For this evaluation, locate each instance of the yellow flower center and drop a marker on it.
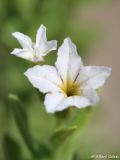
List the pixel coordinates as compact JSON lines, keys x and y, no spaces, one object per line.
{"x":70,"y":89}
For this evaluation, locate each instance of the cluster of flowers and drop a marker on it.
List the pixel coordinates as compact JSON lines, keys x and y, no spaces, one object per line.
{"x":66,"y":84}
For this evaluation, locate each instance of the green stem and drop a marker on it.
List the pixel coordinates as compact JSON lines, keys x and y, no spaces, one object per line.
{"x":66,"y":150}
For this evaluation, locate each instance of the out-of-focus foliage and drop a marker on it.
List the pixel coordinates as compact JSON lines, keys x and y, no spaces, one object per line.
{"x":26,"y":16}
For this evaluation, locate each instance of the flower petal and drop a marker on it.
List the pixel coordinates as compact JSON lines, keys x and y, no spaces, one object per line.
{"x":26,"y":54}
{"x":24,"y":40}
{"x":41,"y":36}
{"x":73,"y":101}
{"x":46,"y":47}
{"x":52,"y":100}
{"x":92,"y":95}
{"x":22,"y":53}
{"x":58,"y":102}
{"x":93,"y":76}
{"x":45,"y":78}
{"x":68,"y":62}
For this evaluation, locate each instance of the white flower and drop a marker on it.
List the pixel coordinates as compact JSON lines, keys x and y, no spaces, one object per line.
{"x":69,"y":83}
{"x":34,"y":51}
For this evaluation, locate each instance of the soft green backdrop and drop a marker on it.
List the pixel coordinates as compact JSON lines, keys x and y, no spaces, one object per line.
{"x":26,"y":16}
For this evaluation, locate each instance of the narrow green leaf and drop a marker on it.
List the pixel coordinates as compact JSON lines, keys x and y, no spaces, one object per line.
{"x":11,"y":148}
{"x":43,"y":151}
{"x":37,"y":149}
{"x":20,"y":117}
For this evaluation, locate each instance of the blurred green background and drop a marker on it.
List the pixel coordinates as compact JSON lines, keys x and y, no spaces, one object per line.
{"x":92,"y":25}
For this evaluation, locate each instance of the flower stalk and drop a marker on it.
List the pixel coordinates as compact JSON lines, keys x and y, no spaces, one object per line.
{"x":66,"y":149}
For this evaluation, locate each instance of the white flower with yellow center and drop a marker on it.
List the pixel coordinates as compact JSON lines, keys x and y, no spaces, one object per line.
{"x":34,"y":51}
{"x":69,"y":83}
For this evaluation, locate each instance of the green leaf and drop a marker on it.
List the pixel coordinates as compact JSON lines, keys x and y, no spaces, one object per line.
{"x":21,"y":119}
{"x":66,"y":149}
{"x":43,"y":151}
{"x":11,"y":149}
{"x":37,"y":149}
{"x":62,"y":134}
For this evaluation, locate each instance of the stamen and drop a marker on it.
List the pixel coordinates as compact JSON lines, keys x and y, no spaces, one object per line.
{"x":76,"y":77}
